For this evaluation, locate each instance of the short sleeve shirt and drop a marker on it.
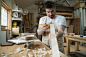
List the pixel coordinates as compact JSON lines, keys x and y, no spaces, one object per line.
{"x":59,"y":20}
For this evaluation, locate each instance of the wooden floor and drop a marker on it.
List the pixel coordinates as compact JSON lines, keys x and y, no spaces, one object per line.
{"x":72,"y":48}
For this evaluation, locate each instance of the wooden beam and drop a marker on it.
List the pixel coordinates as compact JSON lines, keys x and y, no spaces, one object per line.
{"x":68,"y":46}
{"x":79,"y":4}
{"x":76,"y":46}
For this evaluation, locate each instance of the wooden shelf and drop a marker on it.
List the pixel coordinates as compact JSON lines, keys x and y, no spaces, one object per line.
{"x":59,"y":13}
{"x":68,"y":18}
{"x":43,"y":9}
{"x":55,"y":5}
{"x":79,"y":4}
{"x":3,"y":29}
{"x":17,"y":19}
{"x":19,"y":11}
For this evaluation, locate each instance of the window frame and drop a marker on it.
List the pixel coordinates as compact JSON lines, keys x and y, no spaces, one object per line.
{"x":8,"y":12}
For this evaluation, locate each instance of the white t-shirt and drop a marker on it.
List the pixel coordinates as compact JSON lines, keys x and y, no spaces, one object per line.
{"x":59,"y":20}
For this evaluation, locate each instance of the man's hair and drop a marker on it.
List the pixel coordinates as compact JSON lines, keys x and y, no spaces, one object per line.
{"x":49,"y":4}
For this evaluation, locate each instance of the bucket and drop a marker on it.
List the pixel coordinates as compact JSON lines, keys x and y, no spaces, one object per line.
{"x":14,"y":24}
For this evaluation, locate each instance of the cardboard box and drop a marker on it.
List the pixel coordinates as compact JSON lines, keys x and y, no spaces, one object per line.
{"x":15,"y":31}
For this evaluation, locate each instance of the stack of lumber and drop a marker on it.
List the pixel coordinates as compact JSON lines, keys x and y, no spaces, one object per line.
{"x":28,"y":21}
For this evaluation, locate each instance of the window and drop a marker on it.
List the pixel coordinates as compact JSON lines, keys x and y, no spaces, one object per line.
{"x":5,"y":17}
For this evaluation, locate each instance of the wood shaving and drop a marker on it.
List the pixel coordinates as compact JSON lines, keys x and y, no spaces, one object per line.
{"x":21,"y":52}
{"x":23,"y":56}
{"x":2,"y":54}
{"x":28,"y":49}
{"x":5,"y":56}
{"x":11,"y":53}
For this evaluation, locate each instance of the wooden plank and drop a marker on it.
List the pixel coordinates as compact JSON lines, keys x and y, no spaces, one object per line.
{"x":79,"y":4}
{"x":55,"y":5}
{"x":59,"y":13}
{"x":27,"y":17}
{"x":5,"y":6}
{"x":71,"y":28}
{"x":68,"y":46}
{"x":76,"y":23}
{"x":68,"y":18}
{"x":8,"y":34}
{"x":54,"y":43}
{"x":76,"y":46}
{"x":43,"y":9}
{"x":76,"y":37}
{"x":77,"y":17}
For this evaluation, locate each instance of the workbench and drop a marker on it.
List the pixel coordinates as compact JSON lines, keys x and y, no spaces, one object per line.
{"x":75,"y":38}
{"x":10,"y":51}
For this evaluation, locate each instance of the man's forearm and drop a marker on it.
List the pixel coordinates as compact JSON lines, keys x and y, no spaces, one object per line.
{"x":59,"y":34}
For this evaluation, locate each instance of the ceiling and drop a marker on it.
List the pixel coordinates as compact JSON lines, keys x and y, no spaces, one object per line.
{"x":26,"y":3}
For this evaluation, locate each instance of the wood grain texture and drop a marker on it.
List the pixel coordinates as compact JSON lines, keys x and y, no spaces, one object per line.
{"x":54,"y":43}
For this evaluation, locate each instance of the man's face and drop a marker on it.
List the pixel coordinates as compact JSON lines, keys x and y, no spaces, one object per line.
{"x":51,"y":12}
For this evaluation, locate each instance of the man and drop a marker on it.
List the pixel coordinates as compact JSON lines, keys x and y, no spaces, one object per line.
{"x":58,"y":21}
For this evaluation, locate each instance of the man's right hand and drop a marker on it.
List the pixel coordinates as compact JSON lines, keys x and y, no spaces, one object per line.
{"x":42,"y":28}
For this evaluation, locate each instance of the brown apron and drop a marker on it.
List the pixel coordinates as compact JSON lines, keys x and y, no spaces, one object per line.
{"x":46,"y":40}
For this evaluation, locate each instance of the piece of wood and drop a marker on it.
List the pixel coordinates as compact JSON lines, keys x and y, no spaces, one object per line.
{"x":68,"y":46}
{"x":8,"y":34}
{"x":54,"y":43}
{"x":79,"y":4}
{"x":68,"y":29}
{"x":76,"y":46}
{"x":55,"y":5}
{"x":7,"y":44}
{"x":59,"y":13}
{"x":71,"y":28}
{"x":43,"y":9}
{"x":76,"y":23}
{"x":68,"y":18}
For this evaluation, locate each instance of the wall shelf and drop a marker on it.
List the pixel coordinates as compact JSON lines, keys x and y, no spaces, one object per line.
{"x":17,"y":19}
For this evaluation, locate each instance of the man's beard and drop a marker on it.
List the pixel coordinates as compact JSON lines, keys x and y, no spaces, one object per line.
{"x":51,"y":16}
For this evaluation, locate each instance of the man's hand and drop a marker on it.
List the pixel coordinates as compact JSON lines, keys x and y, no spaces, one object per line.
{"x":45,"y":27}
{"x":60,"y":31}
{"x":42,"y":28}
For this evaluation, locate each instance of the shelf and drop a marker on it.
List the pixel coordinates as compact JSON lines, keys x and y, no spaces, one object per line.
{"x":59,"y":13}
{"x":19,"y":11}
{"x":17,"y":19}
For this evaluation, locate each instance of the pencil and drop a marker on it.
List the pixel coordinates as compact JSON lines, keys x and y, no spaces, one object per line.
{"x":42,"y":24}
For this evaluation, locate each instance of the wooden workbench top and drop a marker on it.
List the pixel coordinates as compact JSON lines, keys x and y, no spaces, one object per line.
{"x":75,"y":36}
{"x":20,"y":51}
